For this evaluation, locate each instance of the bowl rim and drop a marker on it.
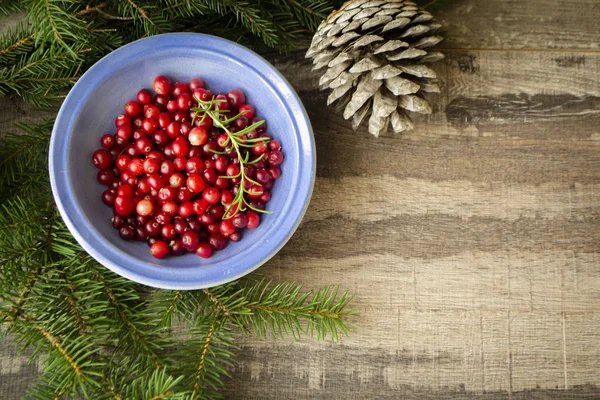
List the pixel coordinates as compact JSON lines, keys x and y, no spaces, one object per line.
{"x":64,"y":118}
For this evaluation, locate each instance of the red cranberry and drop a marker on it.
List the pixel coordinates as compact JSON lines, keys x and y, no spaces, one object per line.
{"x":162,"y":217}
{"x":105,"y":176}
{"x":211,"y":195}
{"x":275,"y":157}
{"x":124,"y":132}
{"x":179,"y":163}
{"x":210,"y":175}
{"x":153,"y":228}
{"x":203,"y":94}
{"x":124,"y":206}
{"x":265,"y":197}
{"x":275,"y":172}
{"x":259,"y":149}
{"x":167,"y":168}
{"x":194,"y":165}
{"x":133,"y":108}
{"x":222,"y":183}
{"x":196,"y":83}
{"x":144,"y":208}
{"x":240,"y":221}
{"x":227,"y":227}
{"x":155,"y":181}
{"x":194,"y":224}
{"x":141,"y":234}
{"x":172,"y":106}
{"x":253,"y":219}
{"x":236,"y":98}
{"x":164,"y":119}
{"x":204,"y":250}
{"x":143,"y":186}
{"x":200,"y":206}
{"x":144,"y":96}
{"x":161,"y":84}
{"x":177,"y":180}
{"x":218,"y":242}
{"x":186,"y":128}
{"x":184,"y":194}
{"x":197,"y":136}
{"x":226,"y":197}
{"x":184,"y":101}
{"x":181,"y":226}
{"x":213,"y":229}
{"x":136,"y":167}
{"x":179,"y":88}
{"x":108,"y":197}
{"x":122,"y":119}
{"x":190,"y":241}
{"x":176,"y":247}
{"x":180,"y":147}
{"x":206,"y":219}
{"x":127,"y":232}
{"x":247,"y":110}
{"x":195,"y":184}
{"x":151,"y":112}
{"x":102,"y":158}
{"x":117,"y":221}
{"x":125,"y":191}
{"x":161,"y":101}
{"x":107,"y":141}
{"x":168,"y":232}
{"x":137,"y":123}
{"x":159,"y":249}
{"x":217,"y":210}
{"x":170,"y":207}
{"x":204,"y":123}
{"x":151,"y":165}
{"x":167,"y":194}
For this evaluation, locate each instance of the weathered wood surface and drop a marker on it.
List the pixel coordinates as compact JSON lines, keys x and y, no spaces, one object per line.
{"x":472,"y":244}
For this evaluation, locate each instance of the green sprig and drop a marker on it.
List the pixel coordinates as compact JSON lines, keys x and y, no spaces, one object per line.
{"x":238,"y":140}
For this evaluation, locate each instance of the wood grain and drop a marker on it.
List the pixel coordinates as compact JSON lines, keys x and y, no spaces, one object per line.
{"x":472,"y":244}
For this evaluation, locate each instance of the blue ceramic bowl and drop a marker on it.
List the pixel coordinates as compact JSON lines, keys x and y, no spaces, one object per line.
{"x":89,"y":111}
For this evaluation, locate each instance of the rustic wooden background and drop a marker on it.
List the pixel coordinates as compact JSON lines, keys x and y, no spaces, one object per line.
{"x":472,"y":244}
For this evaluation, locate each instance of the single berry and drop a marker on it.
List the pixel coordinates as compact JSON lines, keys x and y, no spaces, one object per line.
{"x":159,"y":249}
{"x":102,"y":158}
{"x":161,"y":85}
{"x":204,"y":250}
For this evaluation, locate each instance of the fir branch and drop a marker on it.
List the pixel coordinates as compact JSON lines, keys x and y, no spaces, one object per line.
{"x":133,"y":330}
{"x":8,"y":7}
{"x":20,"y":301}
{"x":212,"y":339}
{"x":15,"y":41}
{"x":219,"y":306}
{"x":158,"y":385}
{"x":55,"y":22}
{"x":54,"y":341}
{"x":284,"y":309}
{"x":200,"y":369}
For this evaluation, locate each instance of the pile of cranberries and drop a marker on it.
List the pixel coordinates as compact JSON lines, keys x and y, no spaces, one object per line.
{"x":172,"y":176}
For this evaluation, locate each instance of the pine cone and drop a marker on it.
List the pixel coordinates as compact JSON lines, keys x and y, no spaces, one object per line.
{"x":375,"y":53}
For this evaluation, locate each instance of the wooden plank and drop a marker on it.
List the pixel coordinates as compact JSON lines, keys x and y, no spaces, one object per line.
{"x":544,"y":24}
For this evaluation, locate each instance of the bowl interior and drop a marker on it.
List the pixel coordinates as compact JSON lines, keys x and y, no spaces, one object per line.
{"x":90,"y":110}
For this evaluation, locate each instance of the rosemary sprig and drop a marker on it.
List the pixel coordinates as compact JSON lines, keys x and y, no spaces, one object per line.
{"x":238,"y":141}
